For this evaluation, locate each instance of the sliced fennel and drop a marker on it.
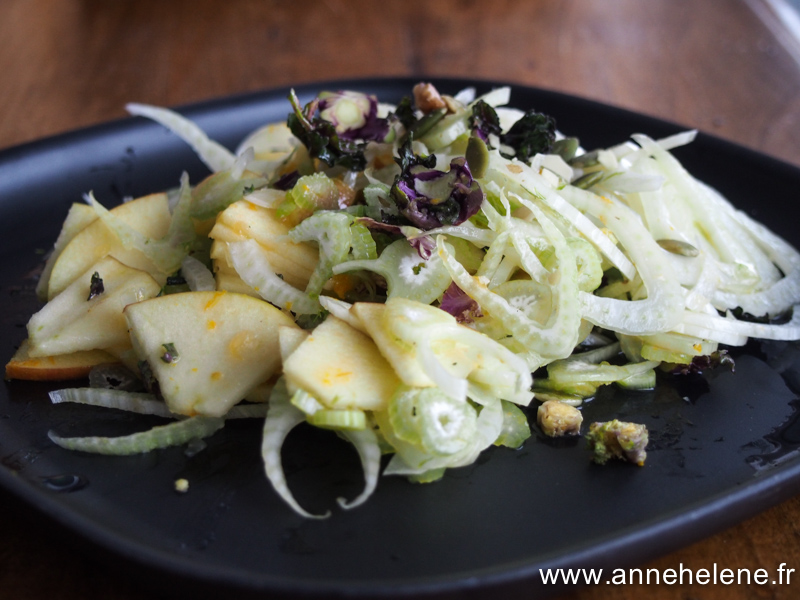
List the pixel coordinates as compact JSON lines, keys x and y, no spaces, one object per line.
{"x":214,"y":155}
{"x":160,"y":436}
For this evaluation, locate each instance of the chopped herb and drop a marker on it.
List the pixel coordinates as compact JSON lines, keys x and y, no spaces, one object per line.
{"x":175,"y":284}
{"x":405,"y":113}
{"x":96,"y":286}
{"x":311,"y":321}
{"x":170,"y":355}
{"x":484,"y":121}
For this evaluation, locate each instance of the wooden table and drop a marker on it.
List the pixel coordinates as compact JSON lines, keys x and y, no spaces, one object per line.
{"x":711,"y":65}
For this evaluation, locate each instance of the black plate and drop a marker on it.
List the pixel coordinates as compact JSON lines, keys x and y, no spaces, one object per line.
{"x":723,"y":445}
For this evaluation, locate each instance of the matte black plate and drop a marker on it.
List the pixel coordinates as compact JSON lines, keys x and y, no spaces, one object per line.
{"x":724,"y":445}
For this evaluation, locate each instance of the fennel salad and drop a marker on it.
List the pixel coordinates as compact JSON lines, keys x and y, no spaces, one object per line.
{"x":397,"y":274}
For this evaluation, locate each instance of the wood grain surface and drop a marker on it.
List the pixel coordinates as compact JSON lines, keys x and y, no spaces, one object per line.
{"x":710,"y":65}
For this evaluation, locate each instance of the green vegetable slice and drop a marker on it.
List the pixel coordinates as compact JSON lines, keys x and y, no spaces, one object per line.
{"x":253,"y":267}
{"x":161,"y":436}
{"x":369,"y":451}
{"x":407,"y":274}
{"x":282,"y":417}
{"x":215,"y":156}
{"x":331,"y":231}
{"x":145,"y":404}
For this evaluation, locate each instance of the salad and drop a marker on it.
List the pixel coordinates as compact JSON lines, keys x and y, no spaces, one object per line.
{"x":416,"y":277}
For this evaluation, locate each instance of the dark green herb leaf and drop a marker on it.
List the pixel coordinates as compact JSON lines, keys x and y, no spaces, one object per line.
{"x":320,"y":138}
{"x":170,"y":353}
{"x":96,"y":286}
{"x":533,"y":134}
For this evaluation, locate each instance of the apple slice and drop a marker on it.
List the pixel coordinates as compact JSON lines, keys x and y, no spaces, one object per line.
{"x":149,"y":215}
{"x":342,"y":368}
{"x":78,"y":218}
{"x":294,"y":274}
{"x":75,"y":365}
{"x":243,"y":220}
{"x":207,"y":350}
{"x":402,"y":356}
{"x":78,"y":320}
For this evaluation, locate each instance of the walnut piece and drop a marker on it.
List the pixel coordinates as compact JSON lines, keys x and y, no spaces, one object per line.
{"x":427,"y":98}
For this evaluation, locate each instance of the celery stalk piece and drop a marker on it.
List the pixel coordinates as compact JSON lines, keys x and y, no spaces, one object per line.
{"x":338,"y":419}
{"x":411,"y":460}
{"x":515,"y":428}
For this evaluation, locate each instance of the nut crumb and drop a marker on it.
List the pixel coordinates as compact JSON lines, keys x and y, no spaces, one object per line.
{"x":557,"y":419}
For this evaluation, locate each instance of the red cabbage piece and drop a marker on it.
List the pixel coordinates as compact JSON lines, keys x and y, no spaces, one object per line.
{"x":429,"y":198}
{"x":456,"y":302}
{"x":321,"y":138}
{"x":354,"y":115}
{"x":423,"y":244}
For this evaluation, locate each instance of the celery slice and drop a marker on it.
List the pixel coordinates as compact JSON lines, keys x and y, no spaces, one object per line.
{"x":331,"y":231}
{"x":338,"y":419}
{"x":515,"y":427}
{"x":305,"y":402}
{"x":432,"y":421}
{"x":407,"y":274}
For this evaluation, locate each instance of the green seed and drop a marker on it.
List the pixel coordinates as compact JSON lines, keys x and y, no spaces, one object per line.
{"x":588,"y":180}
{"x":477,"y":156}
{"x":566,"y":148}
{"x":589,"y":159}
{"x":678,"y":247}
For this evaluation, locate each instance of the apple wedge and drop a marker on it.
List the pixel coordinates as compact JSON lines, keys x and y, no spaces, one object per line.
{"x":242,"y":220}
{"x":149,"y":215}
{"x":207,"y":350}
{"x":402,"y":356}
{"x":75,"y":365}
{"x":78,"y":218}
{"x":80,"y":318}
{"x":342,"y":368}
